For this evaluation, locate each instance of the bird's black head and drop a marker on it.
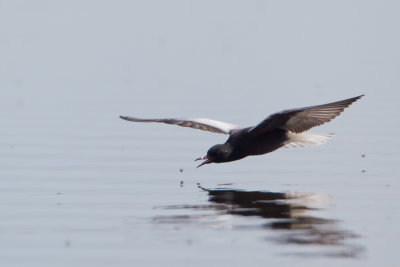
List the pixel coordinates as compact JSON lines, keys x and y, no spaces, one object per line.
{"x":218,"y":153}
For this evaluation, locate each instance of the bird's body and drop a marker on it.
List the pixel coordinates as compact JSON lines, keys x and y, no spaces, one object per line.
{"x":283,"y":129}
{"x":245,"y":144}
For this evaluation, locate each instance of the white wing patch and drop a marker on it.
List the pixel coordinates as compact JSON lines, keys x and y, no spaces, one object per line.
{"x":199,"y":123}
{"x":224,"y":126}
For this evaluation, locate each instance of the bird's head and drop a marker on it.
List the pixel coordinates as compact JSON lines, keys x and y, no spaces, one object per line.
{"x":218,"y":153}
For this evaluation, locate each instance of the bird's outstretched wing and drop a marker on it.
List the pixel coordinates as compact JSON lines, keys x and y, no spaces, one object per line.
{"x":302,"y":119}
{"x":202,"y":124}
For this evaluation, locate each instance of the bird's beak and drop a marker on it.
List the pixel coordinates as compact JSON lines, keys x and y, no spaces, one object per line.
{"x":207,"y":160}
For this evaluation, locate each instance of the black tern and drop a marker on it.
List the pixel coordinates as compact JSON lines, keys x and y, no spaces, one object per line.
{"x":282,"y":129}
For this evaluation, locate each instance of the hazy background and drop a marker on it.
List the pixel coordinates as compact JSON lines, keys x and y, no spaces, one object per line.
{"x":77,"y":184}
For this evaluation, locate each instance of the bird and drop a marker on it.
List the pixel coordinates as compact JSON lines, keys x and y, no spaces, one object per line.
{"x":287,"y":128}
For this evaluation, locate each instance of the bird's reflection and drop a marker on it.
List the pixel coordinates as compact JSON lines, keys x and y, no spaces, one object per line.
{"x":292,"y":216}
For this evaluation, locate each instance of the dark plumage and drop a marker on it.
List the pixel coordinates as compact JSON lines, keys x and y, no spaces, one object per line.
{"x":282,"y":129}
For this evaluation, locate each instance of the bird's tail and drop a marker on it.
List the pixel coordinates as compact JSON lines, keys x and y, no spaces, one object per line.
{"x":307,"y":139}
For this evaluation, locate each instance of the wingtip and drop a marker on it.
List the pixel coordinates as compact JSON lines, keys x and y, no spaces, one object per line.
{"x":354,"y":99}
{"x":358,"y":97}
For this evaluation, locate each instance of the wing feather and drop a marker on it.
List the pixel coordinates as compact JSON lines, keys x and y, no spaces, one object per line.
{"x":302,"y":119}
{"x":199,"y":123}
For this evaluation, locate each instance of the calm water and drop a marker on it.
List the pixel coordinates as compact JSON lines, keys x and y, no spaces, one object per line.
{"x":96,"y":192}
{"x":80,"y":187}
